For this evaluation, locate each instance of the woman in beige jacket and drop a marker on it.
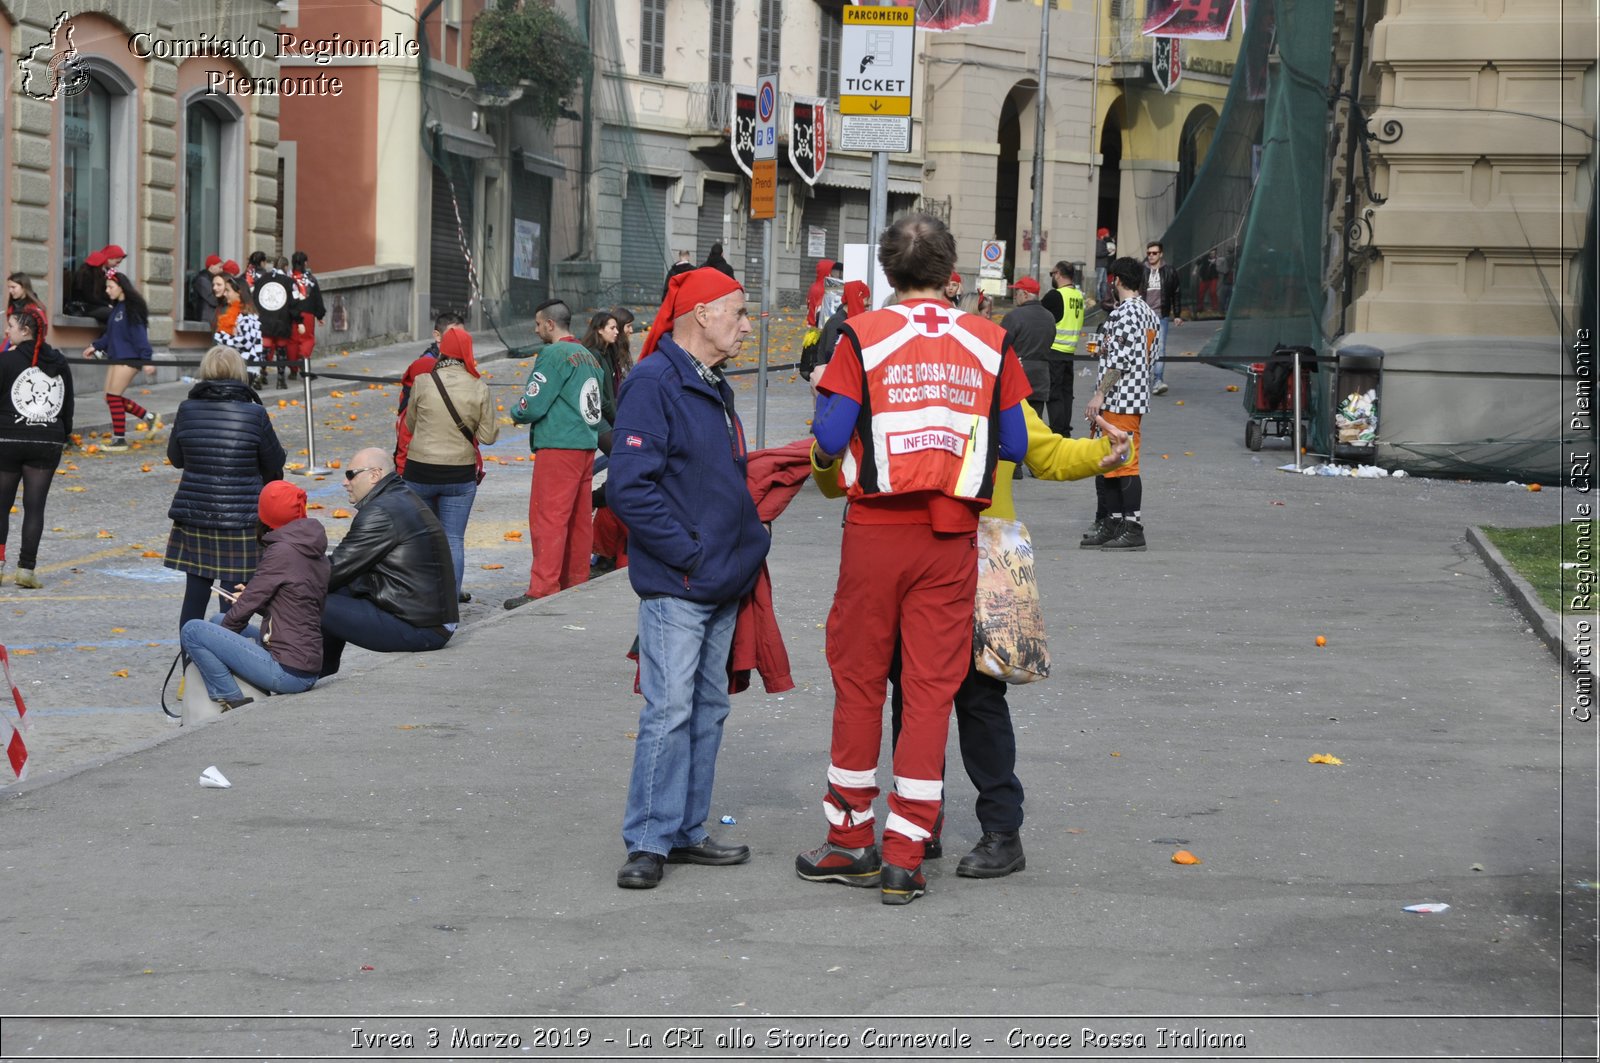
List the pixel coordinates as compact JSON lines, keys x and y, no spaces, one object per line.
{"x":443,"y":465}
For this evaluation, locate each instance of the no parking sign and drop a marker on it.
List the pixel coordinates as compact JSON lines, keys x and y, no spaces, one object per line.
{"x":993,"y":266}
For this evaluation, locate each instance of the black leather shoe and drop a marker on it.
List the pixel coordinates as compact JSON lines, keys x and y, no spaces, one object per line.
{"x":997,"y":854}
{"x":641,"y":872}
{"x":709,"y":852}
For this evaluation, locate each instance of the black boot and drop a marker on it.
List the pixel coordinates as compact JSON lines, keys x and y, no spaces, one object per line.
{"x":997,"y":854}
{"x":1130,"y":536}
{"x":1102,"y":532}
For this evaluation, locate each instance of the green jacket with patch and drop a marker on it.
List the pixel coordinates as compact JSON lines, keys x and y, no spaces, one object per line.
{"x":562,"y":398}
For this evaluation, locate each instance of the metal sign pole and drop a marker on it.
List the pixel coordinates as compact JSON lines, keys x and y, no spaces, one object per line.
{"x":769,"y":287}
{"x":877,"y":214}
{"x":1039,"y":139}
{"x":1297,"y":409}
{"x":312,"y":468}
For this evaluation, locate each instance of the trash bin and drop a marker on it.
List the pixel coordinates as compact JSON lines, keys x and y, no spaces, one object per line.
{"x":1358,"y":383}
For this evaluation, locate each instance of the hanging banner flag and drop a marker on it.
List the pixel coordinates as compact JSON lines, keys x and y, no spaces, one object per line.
{"x":1198,"y":20}
{"x":1166,"y":63}
{"x":941,"y":15}
{"x":808,"y":137}
{"x":12,"y":725}
{"x":742,"y":127}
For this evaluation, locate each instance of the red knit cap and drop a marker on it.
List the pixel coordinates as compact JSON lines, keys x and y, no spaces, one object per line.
{"x":855,"y":298}
{"x":457,"y":343}
{"x":95,"y":259}
{"x":231,"y":268}
{"x":685,"y":292}
{"x":955,"y":278}
{"x":213,"y":260}
{"x":281,"y":502}
{"x":111,"y":251}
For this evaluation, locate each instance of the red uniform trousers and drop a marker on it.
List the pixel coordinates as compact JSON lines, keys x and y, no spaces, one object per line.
{"x":896,"y":581}
{"x":559,"y":520}
{"x":275,"y":351}
{"x":301,"y":343}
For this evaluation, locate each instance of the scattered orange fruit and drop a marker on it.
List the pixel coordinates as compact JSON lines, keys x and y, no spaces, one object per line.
{"x":354,"y":417}
{"x":119,"y":631}
{"x":151,"y":553}
{"x":1233,"y":387}
{"x":1179,"y":403}
{"x":141,"y":427}
{"x":1323,"y":758}
{"x":1321,"y":640}
{"x":334,"y":464}
{"x":23,"y":653}
{"x":1184,"y":856}
{"x":513,"y":537}
{"x":121,"y":673}
{"x":146,"y":468}
{"x":342,"y":514}
{"x":336,"y":394}
{"x":314,"y":505}
{"x":103,"y":534}
{"x":283,"y":404}
{"x":1535,"y":487}
{"x":92,"y":448}
{"x":491,"y":567}
{"x":302,"y":451}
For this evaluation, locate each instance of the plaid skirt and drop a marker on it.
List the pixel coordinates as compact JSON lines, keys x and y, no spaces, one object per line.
{"x":226,"y":554}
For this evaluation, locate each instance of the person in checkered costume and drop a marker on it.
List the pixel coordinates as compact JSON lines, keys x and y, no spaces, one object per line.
{"x":1122,"y":396}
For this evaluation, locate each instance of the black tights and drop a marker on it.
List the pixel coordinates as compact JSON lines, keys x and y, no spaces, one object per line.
{"x":1117,"y":496}
{"x":35,"y":481}
{"x":196,"y":596}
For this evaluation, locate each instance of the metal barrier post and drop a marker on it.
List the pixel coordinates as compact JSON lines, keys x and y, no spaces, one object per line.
{"x":1298,"y":399}
{"x":312,"y":468}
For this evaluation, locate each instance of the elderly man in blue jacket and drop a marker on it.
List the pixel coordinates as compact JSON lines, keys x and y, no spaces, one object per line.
{"x":695,"y":546}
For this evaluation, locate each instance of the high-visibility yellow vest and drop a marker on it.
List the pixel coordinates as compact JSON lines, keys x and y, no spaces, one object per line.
{"x":1070,"y":324}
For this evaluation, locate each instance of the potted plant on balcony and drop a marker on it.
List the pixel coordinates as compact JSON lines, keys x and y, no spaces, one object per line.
{"x":527,"y":44}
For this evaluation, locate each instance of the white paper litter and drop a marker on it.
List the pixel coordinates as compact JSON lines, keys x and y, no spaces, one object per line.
{"x":213,"y":779}
{"x":1427,"y":909}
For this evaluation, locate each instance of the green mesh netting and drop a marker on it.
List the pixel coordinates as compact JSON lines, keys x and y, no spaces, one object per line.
{"x":1258,"y":200}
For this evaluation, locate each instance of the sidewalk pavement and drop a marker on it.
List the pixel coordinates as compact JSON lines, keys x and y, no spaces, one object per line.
{"x":438,"y":835}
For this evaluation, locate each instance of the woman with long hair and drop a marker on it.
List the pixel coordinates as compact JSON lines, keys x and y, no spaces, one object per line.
{"x":622,"y":350}
{"x":601,"y":339}
{"x":238,"y":325}
{"x":284,"y":654}
{"x":35,"y":424}
{"x":126,"y":343}
{"x":19,"y":296}
{"x":449,"y":414}
{"x":223,"y":441}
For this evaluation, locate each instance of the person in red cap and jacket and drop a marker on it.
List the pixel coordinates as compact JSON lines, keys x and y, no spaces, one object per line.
{"x":284,"y":654}
{"x":86,"y":293}
{"x":202,"y":302}
{"x":695,"y":547}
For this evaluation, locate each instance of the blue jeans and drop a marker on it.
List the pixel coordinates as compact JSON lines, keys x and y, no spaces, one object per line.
{"x":452,"y":504}
{"x":683,"y":674}
{"x":346,"y":618}
{"x":221,"y":654}
{"x":1161,"y":350}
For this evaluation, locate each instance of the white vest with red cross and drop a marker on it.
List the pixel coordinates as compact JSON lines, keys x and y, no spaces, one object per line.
{"x":930,"y":412}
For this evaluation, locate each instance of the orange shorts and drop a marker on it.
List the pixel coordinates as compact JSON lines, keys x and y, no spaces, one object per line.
{"x":1126,"y":422}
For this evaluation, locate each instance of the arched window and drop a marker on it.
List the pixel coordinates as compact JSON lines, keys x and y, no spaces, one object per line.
{"x":1193,"y":143}
{"x":212,"y":179}
{"x":97,"y":168}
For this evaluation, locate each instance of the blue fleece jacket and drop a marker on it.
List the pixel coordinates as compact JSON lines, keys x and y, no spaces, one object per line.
{"x":124,"y":338}
{"x":677,"y":481}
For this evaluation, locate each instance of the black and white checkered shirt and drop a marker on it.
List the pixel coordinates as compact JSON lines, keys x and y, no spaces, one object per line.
{"x":1126,"y":344}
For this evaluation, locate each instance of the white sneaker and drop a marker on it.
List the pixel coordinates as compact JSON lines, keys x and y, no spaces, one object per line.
{"x":1160,"y":388}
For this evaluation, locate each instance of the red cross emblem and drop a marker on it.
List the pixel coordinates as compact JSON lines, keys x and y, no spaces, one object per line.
{"x":931,"y":320}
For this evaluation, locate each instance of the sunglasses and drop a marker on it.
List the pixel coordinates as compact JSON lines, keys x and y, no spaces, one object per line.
{"x":351,"y":474}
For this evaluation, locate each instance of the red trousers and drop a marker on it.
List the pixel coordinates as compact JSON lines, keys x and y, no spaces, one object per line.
{"x":610,"y":536}
{"x":301,"y":343}
{"x":896,"y":581}
{"x":559,"y":521}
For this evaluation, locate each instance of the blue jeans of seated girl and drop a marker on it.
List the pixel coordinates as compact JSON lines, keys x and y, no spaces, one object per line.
{"x":221,"y":654}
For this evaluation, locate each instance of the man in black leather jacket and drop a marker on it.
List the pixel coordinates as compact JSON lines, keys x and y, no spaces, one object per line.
{"x":392,"y":587}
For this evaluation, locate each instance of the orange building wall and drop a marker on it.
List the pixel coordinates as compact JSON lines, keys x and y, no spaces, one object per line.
{"x":336,"y":178}
{"x":351,"y":19}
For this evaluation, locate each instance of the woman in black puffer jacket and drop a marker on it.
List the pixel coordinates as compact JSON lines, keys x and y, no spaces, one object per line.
{"x":223,"y":441}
